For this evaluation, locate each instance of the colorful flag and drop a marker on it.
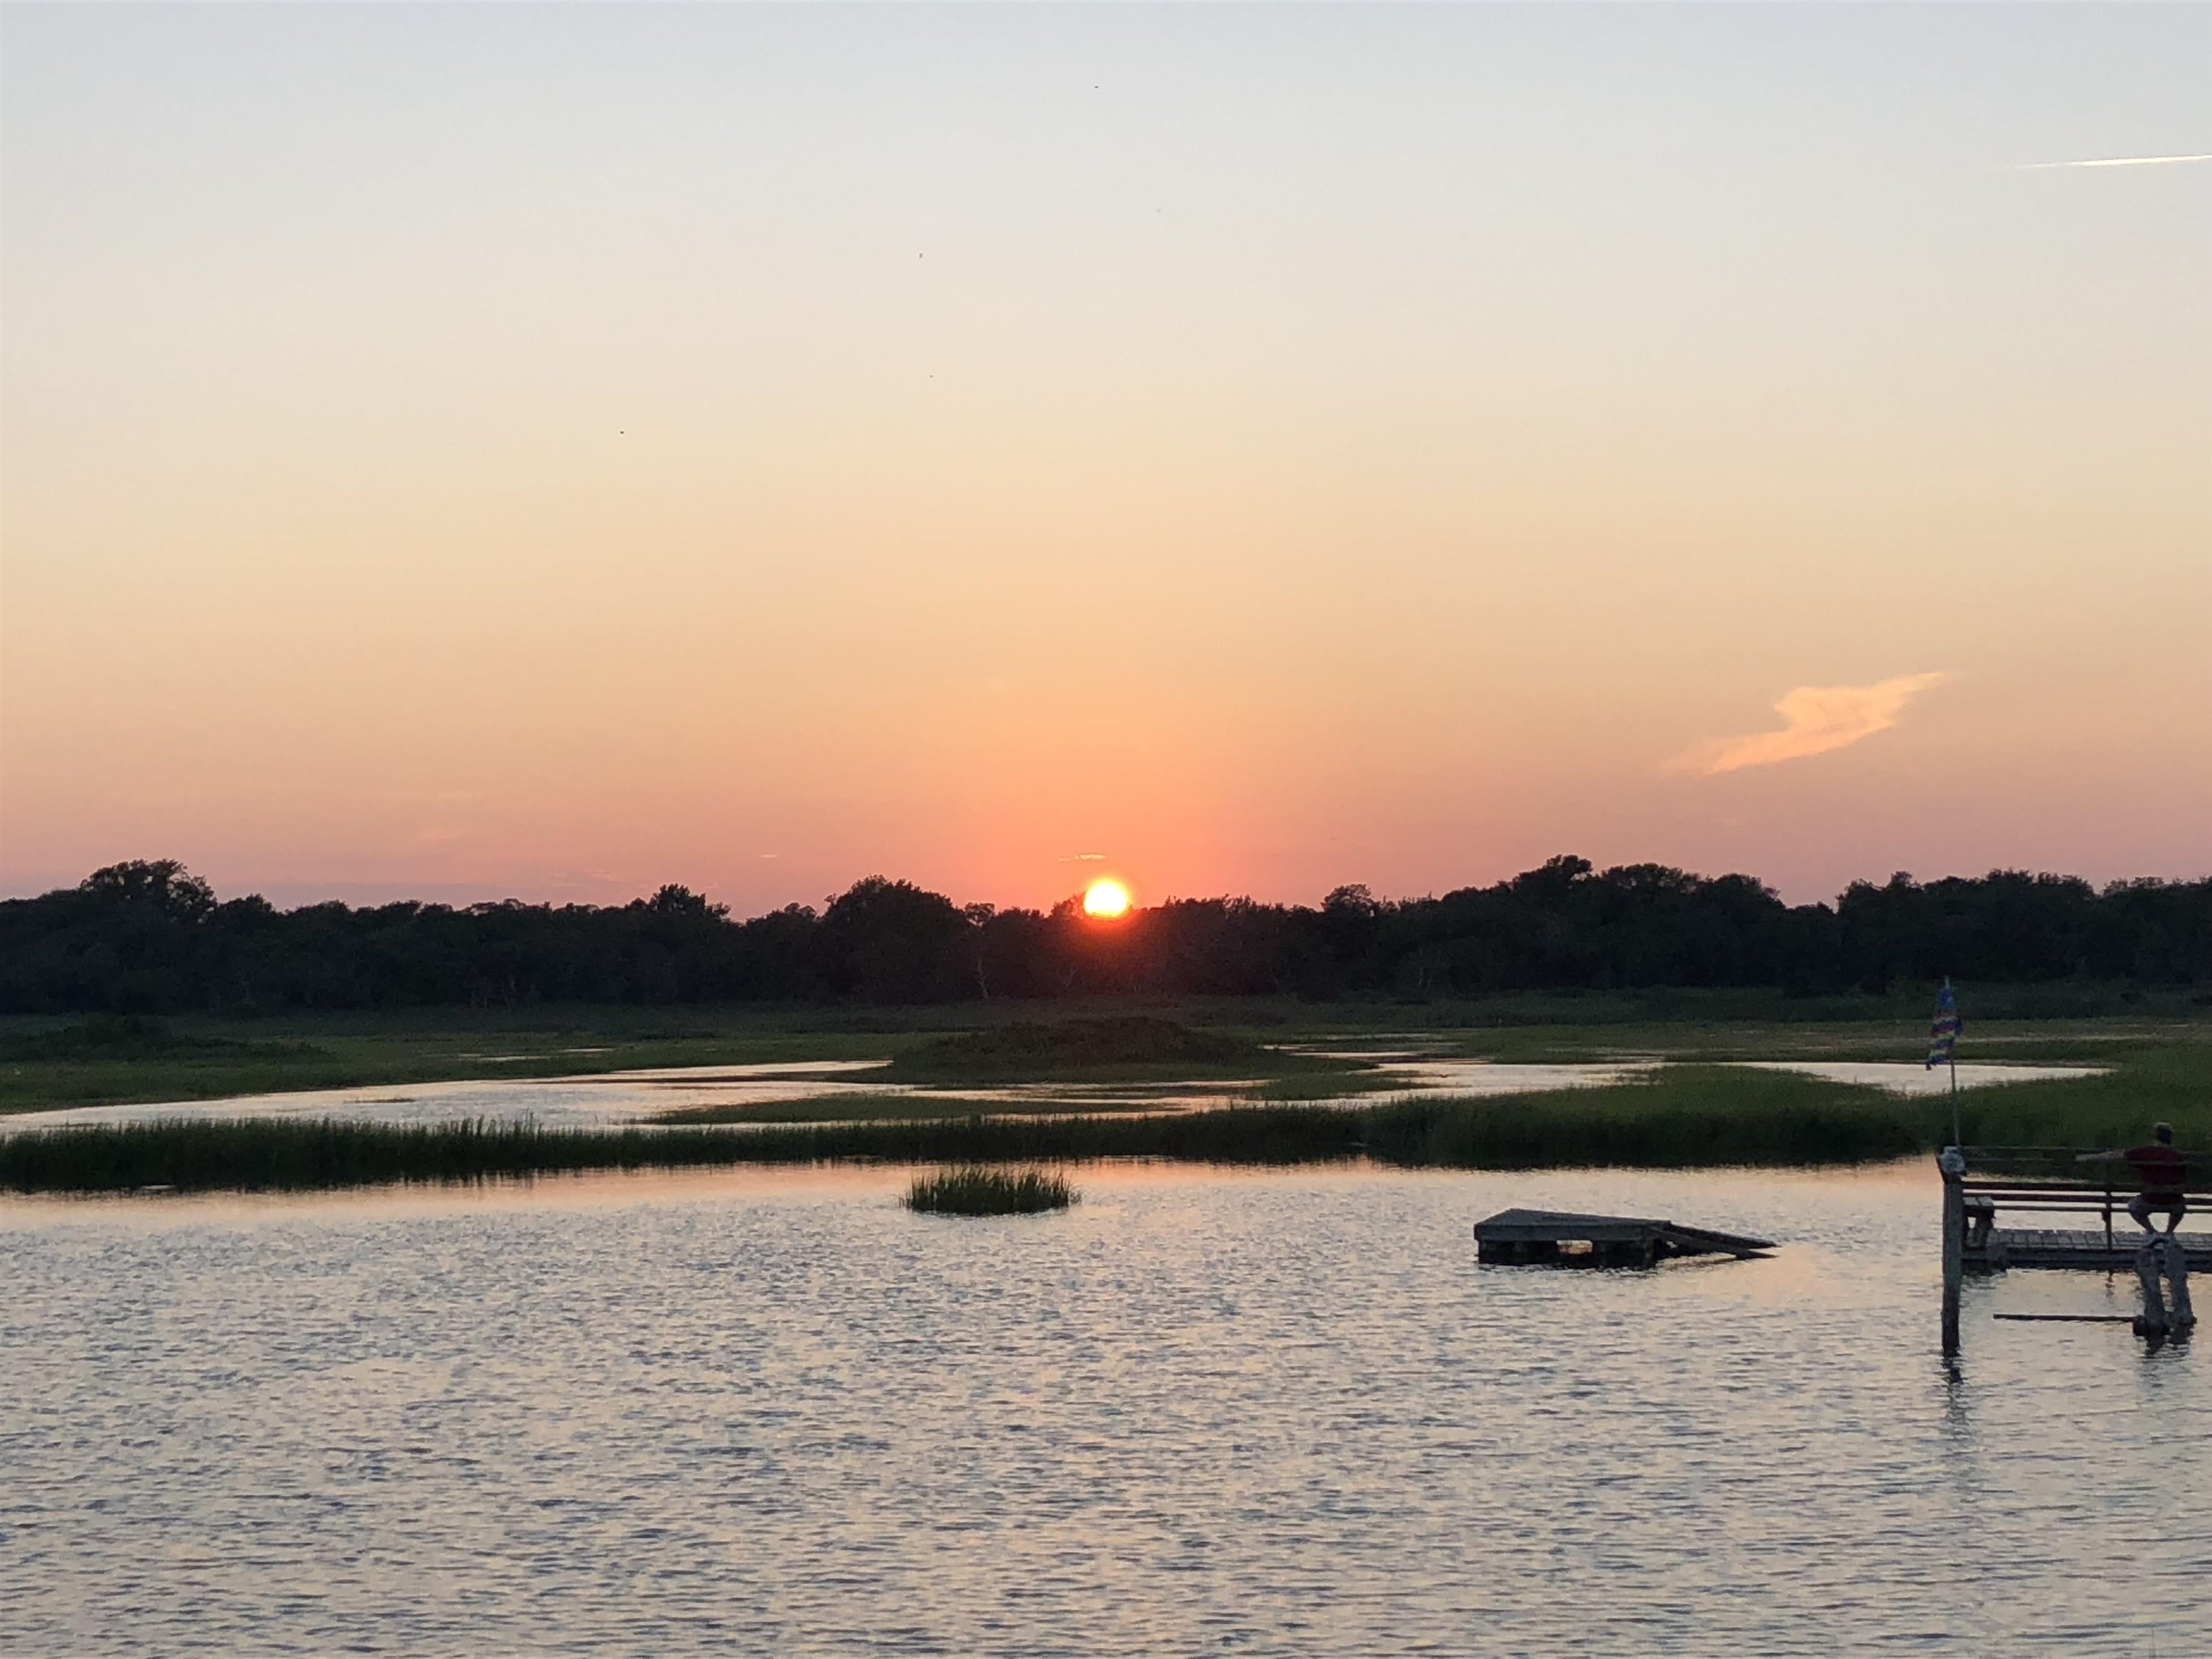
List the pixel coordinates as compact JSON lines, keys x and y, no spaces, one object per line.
{"x":1943,"y":1035}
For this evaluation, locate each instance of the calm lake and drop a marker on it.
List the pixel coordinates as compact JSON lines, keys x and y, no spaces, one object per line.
{"x":1205,"y":1411}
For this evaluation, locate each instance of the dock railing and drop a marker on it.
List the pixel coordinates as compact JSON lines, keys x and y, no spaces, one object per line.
{"x":2056,"y":1178}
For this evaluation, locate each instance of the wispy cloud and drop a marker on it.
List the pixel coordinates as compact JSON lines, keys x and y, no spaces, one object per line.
{"x":1819,"y":717}
{"x":1083,"y":857}
{"x":2116,"y":161}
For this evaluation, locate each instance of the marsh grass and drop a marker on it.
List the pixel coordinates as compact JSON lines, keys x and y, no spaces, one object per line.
{"x":46,"y":1064}
{"x":1687,"y":1115}
{"x":882,"y":1108}
{"x":49,"y":1062}
{"x":1328,"y":1086}
{"x":1128,"y":1047}
{"x":2150,"y":1082}
{"x":1678,"y":1117}
{"x":980,"y":1191}
{"x":1900,"y":1040}
{"x":133,"y":1038}
{"x":249,"y":1154}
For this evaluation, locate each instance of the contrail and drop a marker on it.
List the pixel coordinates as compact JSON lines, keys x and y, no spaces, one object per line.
{"x":2116,"y":161}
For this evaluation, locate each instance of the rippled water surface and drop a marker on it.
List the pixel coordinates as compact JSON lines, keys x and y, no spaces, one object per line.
{"x":1202,"y":1412}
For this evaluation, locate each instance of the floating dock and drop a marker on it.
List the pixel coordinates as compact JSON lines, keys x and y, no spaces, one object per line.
{"x":1559,"y":1238}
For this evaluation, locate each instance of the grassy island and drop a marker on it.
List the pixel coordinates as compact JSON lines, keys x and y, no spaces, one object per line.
{"x":980,"y":1191}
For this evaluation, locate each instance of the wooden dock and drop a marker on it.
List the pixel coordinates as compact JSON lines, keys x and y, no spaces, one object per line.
{"x":1561,"y":1239}
{"x":1980,"y":1183}
{"x":2031,"y":1183}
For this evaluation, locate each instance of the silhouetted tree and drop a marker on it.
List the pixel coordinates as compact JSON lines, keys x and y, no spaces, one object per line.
{"x":891,"y":941}
{"x":150,"y":937}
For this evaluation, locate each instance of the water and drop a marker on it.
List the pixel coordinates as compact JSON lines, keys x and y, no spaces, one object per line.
{"x":1892,"y":1077}
{"x":617,"y":1098}
{"x":1202,"y":1412}
{"x":568,"y":1102}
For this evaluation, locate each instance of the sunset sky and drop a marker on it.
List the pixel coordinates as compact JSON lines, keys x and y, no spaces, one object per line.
{"x":462,"y":452}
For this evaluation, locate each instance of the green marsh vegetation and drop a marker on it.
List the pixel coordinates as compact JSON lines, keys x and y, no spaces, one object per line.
{"x":864,"y":1108}
{"x":252,"y":1154}
{"x":1678,"y":1116}
{"x":2149,"y":1081}
{"x":980,"y":1190}
{"x":109,"y":1056}
{"x":1125,"y":1048}
{"x":1151,"y":1058}
{"x":1148,"y":1060}
{"x":1687,"y":1115}
{"x":131,"y":1038}
{"x":47,"y":1063}
{"x":1695,"y":1111}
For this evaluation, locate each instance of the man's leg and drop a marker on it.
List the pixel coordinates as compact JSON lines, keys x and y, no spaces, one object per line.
{"x":2139,"y":1207}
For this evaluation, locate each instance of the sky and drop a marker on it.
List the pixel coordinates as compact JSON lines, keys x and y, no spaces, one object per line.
{"x":463,"y":452}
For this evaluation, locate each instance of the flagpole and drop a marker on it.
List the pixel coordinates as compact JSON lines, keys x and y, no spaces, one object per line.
{"x":1957,"y":1139}
{"x":1944,"y":1035}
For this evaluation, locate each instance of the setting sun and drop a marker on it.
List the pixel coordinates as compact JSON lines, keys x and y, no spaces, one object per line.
{"x":1105,"y":897}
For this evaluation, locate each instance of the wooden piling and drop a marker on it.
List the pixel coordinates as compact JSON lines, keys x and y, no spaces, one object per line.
{"x":1953,"y":1164}
{"x":2177,"y":1283}
{"x":2153,"y":1321}
{"x":2163,"y":1264}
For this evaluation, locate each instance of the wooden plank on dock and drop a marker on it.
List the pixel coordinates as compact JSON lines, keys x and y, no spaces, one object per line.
{"x":2069,"y":1319}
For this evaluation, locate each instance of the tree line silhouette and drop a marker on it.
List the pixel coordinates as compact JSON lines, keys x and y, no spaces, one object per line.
{"x":150,"y":936}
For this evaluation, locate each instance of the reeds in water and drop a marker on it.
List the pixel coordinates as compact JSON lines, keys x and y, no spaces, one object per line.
{"x":978,"y":1191}
{"x":1678,"y":1117}
{"x":251,"y":1154}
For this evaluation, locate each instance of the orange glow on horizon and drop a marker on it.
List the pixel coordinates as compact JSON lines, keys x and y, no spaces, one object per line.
{"x":1106,"y":899}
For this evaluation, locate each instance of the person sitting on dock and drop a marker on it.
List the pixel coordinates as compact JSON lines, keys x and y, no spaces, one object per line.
{"x":2163,"y":1171}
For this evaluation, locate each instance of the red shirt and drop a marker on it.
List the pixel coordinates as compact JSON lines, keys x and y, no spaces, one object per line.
{"x":2163,"y":1170}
